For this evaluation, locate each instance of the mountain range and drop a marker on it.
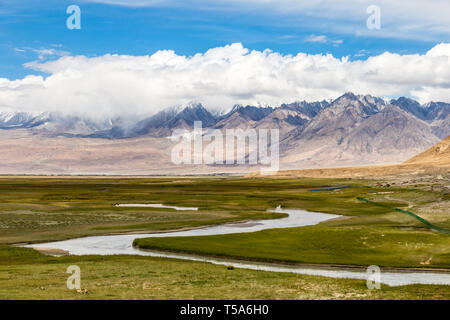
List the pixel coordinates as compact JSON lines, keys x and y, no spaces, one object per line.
{"x":350,"y":130}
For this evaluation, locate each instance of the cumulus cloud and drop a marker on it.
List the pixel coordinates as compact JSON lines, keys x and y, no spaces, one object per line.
{"x":219,"y":78}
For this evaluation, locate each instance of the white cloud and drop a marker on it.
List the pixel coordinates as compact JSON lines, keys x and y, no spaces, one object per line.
{"x":219,"y":78}
{"x":337,"y":42}
{"x":323,"y":39}
{"x":361,"y":53}
{"x":43,"y":53}
{"x":442,"y":49}
{"x":314,"y":38}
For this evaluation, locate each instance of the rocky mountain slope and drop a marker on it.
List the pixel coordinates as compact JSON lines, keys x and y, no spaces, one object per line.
{"x":351,"y":130}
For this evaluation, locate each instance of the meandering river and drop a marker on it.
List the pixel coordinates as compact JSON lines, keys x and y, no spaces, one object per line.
{"x":122,"y":244}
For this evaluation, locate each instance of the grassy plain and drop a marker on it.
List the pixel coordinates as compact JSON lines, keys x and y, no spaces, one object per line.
{"x":372,"y":234}
{"x":344,"y":245}
{"x":26,"y":274}
{"x":47,"y":209}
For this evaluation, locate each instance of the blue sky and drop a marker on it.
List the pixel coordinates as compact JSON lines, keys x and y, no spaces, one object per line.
{"x":140,"y":56}
{"x":31,"y":28}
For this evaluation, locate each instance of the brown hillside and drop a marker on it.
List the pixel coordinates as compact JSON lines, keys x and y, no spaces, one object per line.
{"x":432,"y":162}
{"x":438,"y":155}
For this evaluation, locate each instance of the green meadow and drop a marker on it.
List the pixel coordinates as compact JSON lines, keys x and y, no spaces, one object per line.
{"x":27,"y":274}
{"x":38,"y":209}
{"x":343,"y":245}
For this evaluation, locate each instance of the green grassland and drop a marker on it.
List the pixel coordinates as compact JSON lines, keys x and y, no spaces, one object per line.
{"x":39,"y":210}
{"x":47,"y":209}
{"x":348,"y":245}
{"x":26,"y":274}
{"x":370,"y":235}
